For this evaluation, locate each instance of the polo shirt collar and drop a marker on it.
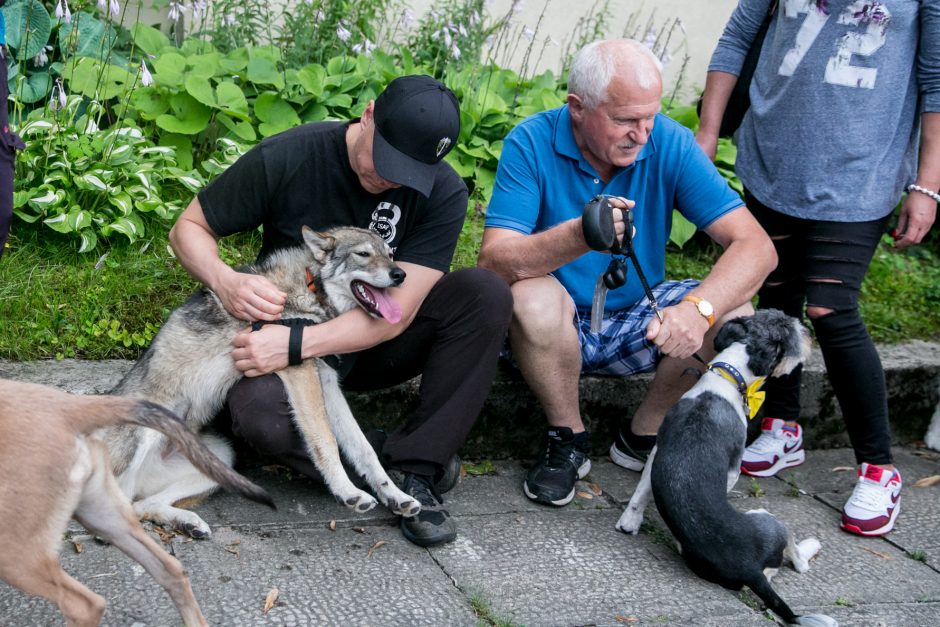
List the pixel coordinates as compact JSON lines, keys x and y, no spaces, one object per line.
{"x":565,"y":144}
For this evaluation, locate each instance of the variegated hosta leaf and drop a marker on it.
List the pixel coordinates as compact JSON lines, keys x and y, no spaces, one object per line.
{"x":130,"y":226}
{"x":89,"y":240}
{"x":47,"y":198}
{"x":123,"y":202}
{"x":91,"y":182}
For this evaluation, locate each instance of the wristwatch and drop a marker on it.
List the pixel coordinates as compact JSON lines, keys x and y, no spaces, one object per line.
{"x":704,"y":307}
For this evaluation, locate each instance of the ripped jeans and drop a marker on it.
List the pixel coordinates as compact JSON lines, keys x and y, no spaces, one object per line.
{"x":821,"y":267}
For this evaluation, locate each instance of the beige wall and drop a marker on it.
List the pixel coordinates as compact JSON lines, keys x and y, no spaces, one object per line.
{"x":703,"y":21}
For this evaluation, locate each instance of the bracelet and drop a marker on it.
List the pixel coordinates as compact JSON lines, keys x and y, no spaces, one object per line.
{"x":924,"y":190}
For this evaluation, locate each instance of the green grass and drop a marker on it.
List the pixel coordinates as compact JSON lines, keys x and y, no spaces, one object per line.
{"x":56,"y":303}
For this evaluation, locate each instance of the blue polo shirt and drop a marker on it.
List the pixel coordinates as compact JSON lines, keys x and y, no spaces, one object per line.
{"x":543,"y":180}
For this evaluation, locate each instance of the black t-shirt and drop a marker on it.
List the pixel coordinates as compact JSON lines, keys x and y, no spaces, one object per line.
{"x":302,"y":177}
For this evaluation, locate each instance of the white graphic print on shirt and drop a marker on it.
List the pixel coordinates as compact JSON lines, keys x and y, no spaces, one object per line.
{"x":872,"y":16}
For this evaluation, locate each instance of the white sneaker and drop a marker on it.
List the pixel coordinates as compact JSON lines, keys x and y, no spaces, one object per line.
{"x":779,"y":446}
{"x":875,"y":502}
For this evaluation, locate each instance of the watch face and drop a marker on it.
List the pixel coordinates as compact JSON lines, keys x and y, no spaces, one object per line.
{"x":705,"y":308}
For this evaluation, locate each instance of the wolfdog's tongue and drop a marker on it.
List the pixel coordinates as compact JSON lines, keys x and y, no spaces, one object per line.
{"x":388,"y":309}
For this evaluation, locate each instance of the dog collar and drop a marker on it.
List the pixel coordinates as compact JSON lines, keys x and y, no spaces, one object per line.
{"x":311,"y":282}
{"x":752,"y":395}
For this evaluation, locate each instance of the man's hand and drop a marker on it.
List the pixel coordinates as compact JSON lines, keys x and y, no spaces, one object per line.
{"x":681,"y":332}
{"x":261,"y":352}
{"x":250,"y":297}
{"x":917,"y":216}
{"x":617,"y":203}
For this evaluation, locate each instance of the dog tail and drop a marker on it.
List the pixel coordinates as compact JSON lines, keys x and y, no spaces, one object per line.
{"x":762,"y":588}
{"x":159,"y":418}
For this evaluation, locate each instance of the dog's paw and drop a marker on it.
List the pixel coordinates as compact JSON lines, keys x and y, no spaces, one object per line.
{"x":361,"y":502}
{"x":630,"y":522}
{"x":198,"y":530}
{"x":406,"y":508}
{"x":805,"y":551}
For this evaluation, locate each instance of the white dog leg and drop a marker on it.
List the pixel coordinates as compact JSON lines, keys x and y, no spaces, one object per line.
{"x":306,"y":398}
{"x":358,"y":450}
{"x":162,"y":481}
{"x":800,"y":554}
{"x":632,"y":516}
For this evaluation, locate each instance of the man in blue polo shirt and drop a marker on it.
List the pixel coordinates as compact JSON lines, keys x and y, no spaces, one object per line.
{"x":610,"y":139}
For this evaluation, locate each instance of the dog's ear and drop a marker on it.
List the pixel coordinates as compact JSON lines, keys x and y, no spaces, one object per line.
{"x":319,"y":243}
{"x":734,"y":330}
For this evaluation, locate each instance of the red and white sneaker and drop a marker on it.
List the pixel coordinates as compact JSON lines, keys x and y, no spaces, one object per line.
{"x":779,"y":446}
{"x":875,"y":502}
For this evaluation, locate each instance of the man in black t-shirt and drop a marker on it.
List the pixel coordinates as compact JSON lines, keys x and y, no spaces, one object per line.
{"x":383,"y":171}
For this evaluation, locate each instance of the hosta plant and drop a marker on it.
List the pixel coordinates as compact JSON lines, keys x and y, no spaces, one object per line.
{"x":94,"y":183}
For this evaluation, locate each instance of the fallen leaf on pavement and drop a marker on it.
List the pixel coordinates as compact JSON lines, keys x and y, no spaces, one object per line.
{"x":883,"y":556}
{"x":231,"y":547}
{"x":270,"y":600}
{"x":332,"y":525}
{"x":596,"y":489}
{"x":359,"y":529}
{"x":78,"y":547}
{"x":842,"y":469}
{"x":926,"y":482}
{"x":585,"y":495}
{"x":374,"y":547}
{"x":165,"y":536}
{"x":626,"y":620}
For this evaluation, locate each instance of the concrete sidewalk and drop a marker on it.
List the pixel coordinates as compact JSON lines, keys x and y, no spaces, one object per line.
{"x":514,"y":562}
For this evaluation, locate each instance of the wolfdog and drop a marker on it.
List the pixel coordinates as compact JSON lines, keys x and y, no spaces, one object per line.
{"x":55,"y":468}
{"x":188,"y":368}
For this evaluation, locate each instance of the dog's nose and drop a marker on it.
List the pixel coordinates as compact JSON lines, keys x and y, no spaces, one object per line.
{"x":397,"y":275}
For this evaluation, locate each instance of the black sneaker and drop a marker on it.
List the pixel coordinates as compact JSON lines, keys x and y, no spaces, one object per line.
{"x":433,"y":524}
{"x":567,"y":459}
{"x":450,"y":476}
{"x":377,"y":437}
{"x":631,"y":451}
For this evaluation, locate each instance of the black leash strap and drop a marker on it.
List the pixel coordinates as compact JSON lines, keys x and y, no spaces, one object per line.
{"x":295,"y":343}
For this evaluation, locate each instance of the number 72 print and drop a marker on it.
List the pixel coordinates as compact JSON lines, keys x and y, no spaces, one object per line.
{"x":873,"y":16}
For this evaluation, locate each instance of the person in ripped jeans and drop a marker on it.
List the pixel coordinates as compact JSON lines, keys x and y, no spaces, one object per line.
{"x":844,"y":117}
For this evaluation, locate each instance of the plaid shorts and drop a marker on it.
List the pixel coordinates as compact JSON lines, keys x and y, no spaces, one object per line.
{"x":621,"y":347}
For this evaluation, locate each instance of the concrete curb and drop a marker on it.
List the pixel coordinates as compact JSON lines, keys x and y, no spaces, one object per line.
{"x":511,"y":422}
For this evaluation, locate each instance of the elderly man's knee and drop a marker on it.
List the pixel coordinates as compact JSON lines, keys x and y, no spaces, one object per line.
{"x":541,"y":305}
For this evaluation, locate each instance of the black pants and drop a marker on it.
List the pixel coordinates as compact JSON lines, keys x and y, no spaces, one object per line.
{"x":453,"y":343}
{"x":9,"y":142}
{"x":822,"y":264}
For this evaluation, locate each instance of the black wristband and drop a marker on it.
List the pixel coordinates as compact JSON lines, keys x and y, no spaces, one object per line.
{"x":294,"y":356}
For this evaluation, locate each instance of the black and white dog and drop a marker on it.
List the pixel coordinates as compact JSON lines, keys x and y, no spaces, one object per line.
{"x":697,"y":460}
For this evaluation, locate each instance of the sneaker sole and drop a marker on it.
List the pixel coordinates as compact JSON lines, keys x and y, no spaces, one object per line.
{"x":787,"y":461}
{"x":582,"y":471}
{"x":625,"y":461}
{"x":875,"y":532}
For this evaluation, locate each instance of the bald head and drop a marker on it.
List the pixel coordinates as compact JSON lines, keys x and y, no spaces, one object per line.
{"x":597,"y":64}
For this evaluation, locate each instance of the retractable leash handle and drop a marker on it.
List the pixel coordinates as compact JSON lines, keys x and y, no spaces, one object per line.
{"x":597,"y":223}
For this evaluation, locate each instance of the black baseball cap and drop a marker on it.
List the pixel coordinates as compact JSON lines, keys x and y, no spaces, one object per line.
{"x":417,"y":121}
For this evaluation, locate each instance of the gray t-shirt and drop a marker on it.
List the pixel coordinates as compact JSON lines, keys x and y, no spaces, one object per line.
{"x":832,"y":131}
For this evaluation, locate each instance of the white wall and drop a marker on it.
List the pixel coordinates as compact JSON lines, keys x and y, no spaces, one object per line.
{"x":703,"y":21}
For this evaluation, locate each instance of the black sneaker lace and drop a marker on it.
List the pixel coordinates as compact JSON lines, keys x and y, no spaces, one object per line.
{"x":558,"y":454}
{"x":422,"y":489}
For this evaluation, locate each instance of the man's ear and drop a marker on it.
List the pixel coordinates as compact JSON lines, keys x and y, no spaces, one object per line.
{"x":575,"y":106}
